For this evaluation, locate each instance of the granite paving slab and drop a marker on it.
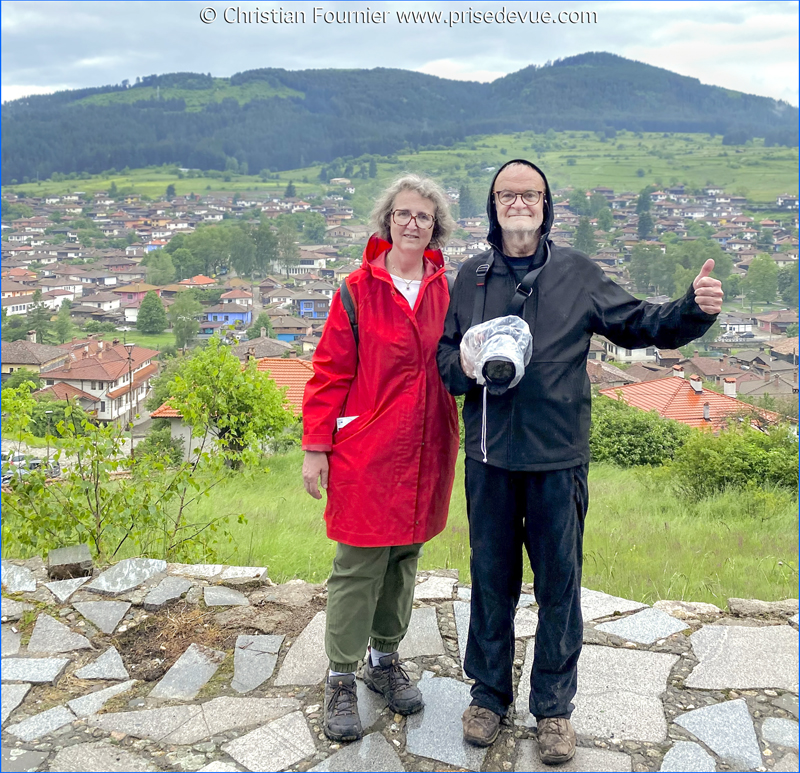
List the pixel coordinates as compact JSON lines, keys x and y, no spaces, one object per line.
{"x":229,"y":713}
{"x":736,"y":657}
{"x":526,"y":599}
{"x":525,"y":622}
{"x":11,"y":610}
{"x":68,"y":562}
{"x":306,"y":661}
{"x":619,"y":693}
{"x":727,"y":729}
{"x":295,"y":593}
{"x":106,"y":615}
{"x":244,"y":573}
{"x":646,"y":627}
{"x":41,"y":724}
{"x":788,"y":703}
{"x":595,"y":604}
{"x":63,"y":589}
{"x":275,"y":746}
{"x":126,"y":575}
{"x":37,"y":670}
{"x":188,"y":674}
{"x":155,"y":724}
{"x":688,"y":757}
{"x":94,"y":701}
{"x":200,"y":571}
{"x":50,"y":636}
{"x":435,"y":588}
{"x":370,"y":705}
{"x":436,"y":731}
{"x":373,"y":753}
{"x":97,"y":757}
{"x":783,"y":732}
{"x":16,"y":579}
{"x":10,"y":641}
{"x":600,"y":760}
{"x":108,"y":666}
{"x":254,"y":659}
{"x":169,"y":589}
{"x":220,"y":596}
{"x":465,"y":594}
{"x":11,"y":696}
{"x":423,"y":637}
{"x":795,"y":619}
{"x":461,"y":612}
{"x":19,"y":760}
{"x":688,"y":610}
{"x":522,"y":714}
{"x":789,"y":763}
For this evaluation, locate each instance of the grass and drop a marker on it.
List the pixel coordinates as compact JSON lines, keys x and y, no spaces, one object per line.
{"x":149,"y":341}
{"x":641,"y":542}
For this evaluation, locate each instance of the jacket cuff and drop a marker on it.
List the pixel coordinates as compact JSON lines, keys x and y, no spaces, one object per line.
{"x":318,"y":442}
{"x":316,"y":447}
{"x":694,"y":308}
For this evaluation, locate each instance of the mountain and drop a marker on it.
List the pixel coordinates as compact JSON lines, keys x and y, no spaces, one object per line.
{"x":280,"y":119}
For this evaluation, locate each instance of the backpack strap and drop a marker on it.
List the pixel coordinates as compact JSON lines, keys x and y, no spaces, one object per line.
{"x":525,"y":287}
{"x":349,"y":307}
{"x":480,"y":292}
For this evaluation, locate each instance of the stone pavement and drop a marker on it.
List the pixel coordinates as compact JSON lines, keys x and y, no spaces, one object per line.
{"x":151,"y":666}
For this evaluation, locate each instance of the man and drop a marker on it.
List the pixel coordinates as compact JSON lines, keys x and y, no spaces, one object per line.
{"x":527,"y":450}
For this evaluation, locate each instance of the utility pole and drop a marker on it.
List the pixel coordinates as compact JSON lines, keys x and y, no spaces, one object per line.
{"x":129,"y":349}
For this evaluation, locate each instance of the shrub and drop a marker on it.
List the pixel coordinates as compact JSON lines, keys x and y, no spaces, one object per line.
{"x":630,"y":437}
{"x":160,"y":444}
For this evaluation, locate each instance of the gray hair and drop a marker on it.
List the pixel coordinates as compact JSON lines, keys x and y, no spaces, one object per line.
{"x":380,"y":218}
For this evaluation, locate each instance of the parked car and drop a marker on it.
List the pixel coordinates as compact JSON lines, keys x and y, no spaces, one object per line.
{"x":19,"y":466}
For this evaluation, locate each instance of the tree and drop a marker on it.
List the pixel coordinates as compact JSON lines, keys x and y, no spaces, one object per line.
{"x":643,"y":266}
{"x":792,"y":330}
{"x":578,"y":203}
{"x":712,"y":333}
{"x":645,"y":226}
{"x":266,"y":254}
{"x":160,"y":268}
{"x":584,"y":237}
{"x":170,"y":195}
{"x":290,"y":192}
{"x":287,"y":245}
{"x":183,"y":315}
{"x":262,"y":321}
{"x":597,"y":203}
{"x":23,"y":376}
{"x":467,"y":207}
{"x":240,"y":407}
{"x":643,"y":202}
{"x":732,"y":286}
{"x":63,"y":322}
{"x":152,"y":318}
{"x":761,"y":282}
{"x":605,"y":220}
{"x":185,"y":263}
{"x":787,"y":285}
{"x":39,"y":317}
{"x":373,"y":168}
{"x":313,"y":228}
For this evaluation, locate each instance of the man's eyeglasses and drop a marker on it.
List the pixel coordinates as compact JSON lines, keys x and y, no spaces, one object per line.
{"x":422,"y":219}
{"x":507,"y":198}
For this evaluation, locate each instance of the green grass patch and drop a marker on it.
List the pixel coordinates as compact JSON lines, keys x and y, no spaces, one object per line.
{"x":147,"y":340}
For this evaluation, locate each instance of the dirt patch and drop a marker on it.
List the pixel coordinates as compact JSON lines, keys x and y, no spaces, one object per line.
{"x":268,"y":618}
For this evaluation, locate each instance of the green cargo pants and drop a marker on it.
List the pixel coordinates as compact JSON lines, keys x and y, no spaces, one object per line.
{"x":370,"y":595}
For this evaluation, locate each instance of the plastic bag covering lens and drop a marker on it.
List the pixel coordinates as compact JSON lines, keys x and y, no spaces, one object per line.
{"x":489,"y":348}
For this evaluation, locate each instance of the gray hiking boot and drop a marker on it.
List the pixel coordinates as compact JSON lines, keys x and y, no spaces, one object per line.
{"x":390,"y":680}
{"x":341,"y":721}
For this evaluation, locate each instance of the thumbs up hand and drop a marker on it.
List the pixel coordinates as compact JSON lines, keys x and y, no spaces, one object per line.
{"x":707,"y":290}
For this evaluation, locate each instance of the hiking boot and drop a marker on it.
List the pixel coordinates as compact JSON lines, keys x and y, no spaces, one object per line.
{"x":341,"y":721}
{"x":556,"y":740}
{"x":390,"y":680}
{"x":481,"y":725}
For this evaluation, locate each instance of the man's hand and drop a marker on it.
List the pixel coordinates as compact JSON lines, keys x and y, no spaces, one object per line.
{"x":315,"y":468}
{"x":708,"y":291}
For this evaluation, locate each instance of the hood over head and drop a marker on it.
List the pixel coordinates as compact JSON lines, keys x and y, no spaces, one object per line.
{"x":495,"y":237}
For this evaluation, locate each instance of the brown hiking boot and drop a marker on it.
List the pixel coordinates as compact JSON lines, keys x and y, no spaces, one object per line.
{"x":556,"y":740}
{"x":340,"y":721}
{"x":481,"y":725}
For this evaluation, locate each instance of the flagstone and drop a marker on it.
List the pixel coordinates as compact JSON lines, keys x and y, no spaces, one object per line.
{"x":37,"y":670}
{"x":619,"y":693}
{"x":126,"y":575}
{"x":16,"y":579}
{"x":461,"y":612}
{"x":12,"y":695}
{"x":595,"y":604}
{"x":783,"y":732}
{"x":790,"y":763}
{"x":522,"y":714}
{"x":206,"y":571}
{"x":220,"y":596}
{"x":740,"y":658}
{"x":106,"y":615}
{"x":788,"y":702}
{"x":423,"y":637}
{"x":94,"y":701}
{"x":525,"y":622}
{"x":645,"y":627}
{"x":727,"y":729}
{"x":20,"y":760}
{"x":436,"y":732}
{"x":11,"y":610}
{"x":68,"y":562}
{"x":51,"y":636}
{"x":63,"y":589}
{"x":688,"y":757}
{"x":244,"y":573}
{"x":188,"y":674}
{"x":10,"y":641}
{"x":99,"y":756}
{"x":275,"y":746}
{"x":108,"y":666}
{"x":41,"y":724}
{"x":306,"y":661}
{"x":373,"y":753}
{"x":435,"y":588}
{"x":169,"y":589}
{"x":600,"y":760}
{"x":155,"y":724}
{"x":254,"y":659}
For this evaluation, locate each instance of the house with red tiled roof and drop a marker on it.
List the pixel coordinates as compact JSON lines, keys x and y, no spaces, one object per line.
{"x":686,"y":401}
{"x":69,"y":393}
{"x":199,"y":281}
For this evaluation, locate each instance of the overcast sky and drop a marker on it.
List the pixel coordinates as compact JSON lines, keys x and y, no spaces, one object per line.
{"x":49,"y":46}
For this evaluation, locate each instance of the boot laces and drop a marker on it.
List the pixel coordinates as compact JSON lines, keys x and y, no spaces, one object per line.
{"x":342,"y":699}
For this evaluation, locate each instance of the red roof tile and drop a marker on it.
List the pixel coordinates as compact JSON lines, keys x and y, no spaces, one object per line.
{"x":291,"y":373}
{"x":62,"y":391}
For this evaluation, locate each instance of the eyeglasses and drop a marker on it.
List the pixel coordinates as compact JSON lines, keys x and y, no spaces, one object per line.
{"x":404,"y":217}
{"x":507,"y":198}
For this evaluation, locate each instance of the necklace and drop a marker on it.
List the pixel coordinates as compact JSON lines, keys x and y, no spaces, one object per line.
{"x":408,"y":282}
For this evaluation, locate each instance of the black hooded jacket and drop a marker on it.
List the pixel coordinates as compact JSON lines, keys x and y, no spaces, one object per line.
{"x":543,"y":422}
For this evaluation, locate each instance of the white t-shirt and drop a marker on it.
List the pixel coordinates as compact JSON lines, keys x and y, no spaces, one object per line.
{"x":409,"y":290}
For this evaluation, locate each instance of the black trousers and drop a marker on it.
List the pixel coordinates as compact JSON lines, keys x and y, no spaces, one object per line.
{"x":545,"y":512}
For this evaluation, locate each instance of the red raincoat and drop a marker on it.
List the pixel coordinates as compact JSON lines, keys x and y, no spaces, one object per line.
{"x":392,"y":467}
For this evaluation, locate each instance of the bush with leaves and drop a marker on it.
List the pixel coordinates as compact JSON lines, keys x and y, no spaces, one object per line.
{"x":160,"y":444}
{"x":630,"y":437}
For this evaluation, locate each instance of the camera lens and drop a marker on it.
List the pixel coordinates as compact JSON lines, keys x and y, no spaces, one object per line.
{"x":499,"y":372}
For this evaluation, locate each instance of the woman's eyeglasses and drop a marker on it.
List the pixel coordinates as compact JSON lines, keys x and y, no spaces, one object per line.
{"x":404,"y":217}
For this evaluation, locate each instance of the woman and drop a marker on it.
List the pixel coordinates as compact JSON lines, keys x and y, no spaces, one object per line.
{"x":381,"y":436}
